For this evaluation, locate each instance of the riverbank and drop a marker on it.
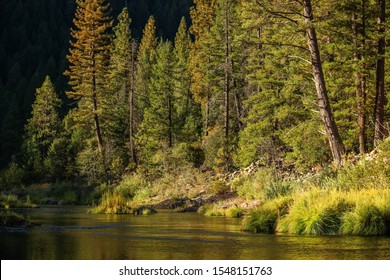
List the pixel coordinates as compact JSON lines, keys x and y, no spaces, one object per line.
{"x":353,"y":200}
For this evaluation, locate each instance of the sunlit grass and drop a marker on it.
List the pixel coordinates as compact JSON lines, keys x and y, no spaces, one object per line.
{"x":216,"y":210}
{"x":11,"y":201}
{"x":112,"y":203}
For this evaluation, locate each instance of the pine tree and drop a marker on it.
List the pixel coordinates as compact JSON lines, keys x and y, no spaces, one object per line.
{"x":157,"y":131}
{"x":122,"y":86}
{"x":88,"y":58}
{"x":187,"y":111}
{"x":202,"y":17}
{"x":145,"y":59}
{"x":43,"y":126}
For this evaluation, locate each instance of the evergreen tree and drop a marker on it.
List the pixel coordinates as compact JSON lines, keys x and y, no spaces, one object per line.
{"x":157,"y":131}
{"x":43,"y":126}
{"x":122,"y":112}
{"x":145,"y":59}
{"x":88,"y":58}
{"x":202,"y":17}
{"x":187,"y":111}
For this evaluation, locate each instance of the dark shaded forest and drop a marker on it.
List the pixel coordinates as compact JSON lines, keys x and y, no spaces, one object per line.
{"x":34,"y":41}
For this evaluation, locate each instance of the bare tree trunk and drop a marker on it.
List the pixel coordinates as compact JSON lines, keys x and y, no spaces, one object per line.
{"x":380,"y":98}
{"x":331,"y":130}
{"x":96,"y":121}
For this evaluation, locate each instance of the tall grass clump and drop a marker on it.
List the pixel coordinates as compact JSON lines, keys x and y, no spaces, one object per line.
{"x":112,"y":203}
{"x":364,"y":220}
{"x":371,"y":214}
{"x":219,"y":210}
{"x":315,"y":212}
{"x":260,"y":221}
{"x":264,"y":219}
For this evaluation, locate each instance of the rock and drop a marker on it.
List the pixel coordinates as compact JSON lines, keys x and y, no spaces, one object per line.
{"x":61,"y":202}
{"x":175,"y":203}
{"x":187,"y":209}
{"x":51,"y":201}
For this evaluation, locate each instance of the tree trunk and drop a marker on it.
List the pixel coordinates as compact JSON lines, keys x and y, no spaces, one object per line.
{"x":133,"y":153}
{"x":170,"y":122}
{"x":207,"y":115}
{"x":360,"y":78}
{"x":98,"y":132}
{"x":380,"y":98}
{"x":227,"y":80}
{"x":332,"y":134}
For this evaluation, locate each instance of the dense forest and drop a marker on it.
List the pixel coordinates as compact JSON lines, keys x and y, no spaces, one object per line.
{"x":34,"y":42}
{"x":144,"y":99}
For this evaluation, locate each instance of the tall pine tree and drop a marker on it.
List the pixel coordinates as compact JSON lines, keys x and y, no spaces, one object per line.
{"x":88,"y":58}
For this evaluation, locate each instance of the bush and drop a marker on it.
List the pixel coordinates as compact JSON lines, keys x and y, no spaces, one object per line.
{"x":254,"y":186}
{"x":131,"y":185}
{"x":219,"y":187}
{"x":12,"y":177}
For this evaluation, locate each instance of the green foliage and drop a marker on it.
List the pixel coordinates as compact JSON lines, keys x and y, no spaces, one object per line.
{"x":11,"y":219}
{"x":12,"y":201}
{"x":254,"y":187}
{"x":219,"y":210}
{"x":315,"y":212}
{"x":260,"y":221}
{"x":366,"y":219}
{"x":219,"y":187}
{"x":42,"y":128}
{"x":112,"y":204}
{"x":12,"y":177}
{"x":132,"y":186}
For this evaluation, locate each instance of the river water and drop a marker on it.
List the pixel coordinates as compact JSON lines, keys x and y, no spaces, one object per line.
{"x":70,"y":233}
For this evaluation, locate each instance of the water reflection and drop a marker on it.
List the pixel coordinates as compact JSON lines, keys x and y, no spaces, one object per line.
{"x":71,"y":233}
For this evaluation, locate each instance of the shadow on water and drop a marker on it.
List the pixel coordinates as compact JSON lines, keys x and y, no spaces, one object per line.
{"x":71,"y":233}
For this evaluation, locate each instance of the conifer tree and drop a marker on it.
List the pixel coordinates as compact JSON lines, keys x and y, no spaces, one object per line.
{"x":122,"y":86}
{"x":43,"y":126}
{"x":145,"y":59}
{"x":88,"y":58}
{"x":157,"y":128}
{"x":187,"y":111}
{"x":202,"y":17}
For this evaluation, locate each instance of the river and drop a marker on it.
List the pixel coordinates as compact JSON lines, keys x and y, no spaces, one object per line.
{"x":68,"y":233}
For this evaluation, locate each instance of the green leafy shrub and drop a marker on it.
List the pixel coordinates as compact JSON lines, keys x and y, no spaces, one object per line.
{"x":12,"y":177}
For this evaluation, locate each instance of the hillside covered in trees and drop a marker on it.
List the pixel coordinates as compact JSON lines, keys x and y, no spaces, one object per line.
{"x":199,"y":91}
{"x":34,"y":41}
